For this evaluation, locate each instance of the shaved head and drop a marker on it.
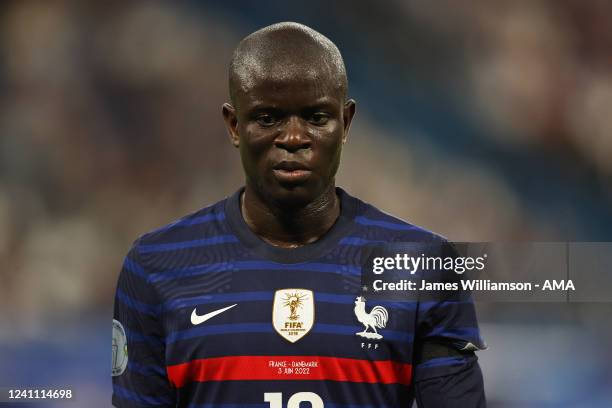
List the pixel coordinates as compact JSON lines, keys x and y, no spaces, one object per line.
{"x":282,"y":52}
{"x":289,"y":116}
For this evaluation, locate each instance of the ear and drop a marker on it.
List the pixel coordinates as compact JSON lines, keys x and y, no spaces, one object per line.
{"x":349,"y":112}
{"x":231,"y":123}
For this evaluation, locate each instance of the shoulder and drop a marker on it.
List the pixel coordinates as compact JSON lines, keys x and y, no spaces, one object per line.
{"x":205,"y":223}
{"x":375,"y":222}
{"x":168,"y":248}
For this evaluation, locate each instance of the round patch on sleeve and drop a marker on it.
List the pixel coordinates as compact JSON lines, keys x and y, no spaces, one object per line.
{"x":120,"y":351}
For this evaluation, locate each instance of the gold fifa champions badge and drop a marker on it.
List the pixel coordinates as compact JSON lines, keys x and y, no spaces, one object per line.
{"x":293,"y":313}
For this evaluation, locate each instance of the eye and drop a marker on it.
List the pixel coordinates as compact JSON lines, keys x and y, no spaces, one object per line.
{"x":265,"y":120}
{"x":319,"y":118}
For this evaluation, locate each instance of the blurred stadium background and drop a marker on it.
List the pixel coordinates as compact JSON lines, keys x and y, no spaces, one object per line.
{"x":481,"y":120}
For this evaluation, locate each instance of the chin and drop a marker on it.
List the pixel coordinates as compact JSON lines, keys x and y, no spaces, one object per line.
{"x":291,"y":195}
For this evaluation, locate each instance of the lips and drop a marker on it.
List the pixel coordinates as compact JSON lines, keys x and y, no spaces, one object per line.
{"x":291,"y":172}
{"x":291,"y":166}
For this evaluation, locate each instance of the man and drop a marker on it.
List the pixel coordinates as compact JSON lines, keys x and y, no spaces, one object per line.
{"x":255,"y":300}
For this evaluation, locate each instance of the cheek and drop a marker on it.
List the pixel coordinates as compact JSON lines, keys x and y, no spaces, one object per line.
{"x":253,"y":144}
{"x":335,"y":161}
{"x":254,"y":134}
{"x":331,"y":150}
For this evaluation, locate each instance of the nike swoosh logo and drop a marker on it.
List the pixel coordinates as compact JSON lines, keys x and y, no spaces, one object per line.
{"x":196,"y":319}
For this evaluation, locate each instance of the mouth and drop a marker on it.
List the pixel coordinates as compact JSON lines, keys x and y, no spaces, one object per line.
{"x":291,"y":172}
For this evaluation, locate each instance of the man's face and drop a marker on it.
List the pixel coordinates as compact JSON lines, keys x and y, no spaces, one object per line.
{"x":290,"y":133}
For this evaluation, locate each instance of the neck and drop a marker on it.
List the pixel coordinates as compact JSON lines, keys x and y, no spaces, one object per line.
{"x":290,"y":227}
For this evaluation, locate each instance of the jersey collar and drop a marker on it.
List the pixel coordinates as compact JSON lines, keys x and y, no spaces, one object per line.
{"x":304,"y":253}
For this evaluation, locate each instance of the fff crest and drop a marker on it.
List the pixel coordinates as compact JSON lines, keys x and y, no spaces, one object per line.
{"x":293,"y":313}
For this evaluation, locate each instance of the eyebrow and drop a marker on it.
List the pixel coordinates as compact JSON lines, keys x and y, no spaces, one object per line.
{"x":324,"y":101}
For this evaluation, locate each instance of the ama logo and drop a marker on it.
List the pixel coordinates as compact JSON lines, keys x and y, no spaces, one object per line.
{"x":551,"y":284}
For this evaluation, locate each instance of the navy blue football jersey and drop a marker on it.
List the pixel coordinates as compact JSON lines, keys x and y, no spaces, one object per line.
{"x":209,"y":315}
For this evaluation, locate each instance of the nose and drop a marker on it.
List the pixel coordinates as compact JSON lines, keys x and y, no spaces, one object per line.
{"x":293,"y":136}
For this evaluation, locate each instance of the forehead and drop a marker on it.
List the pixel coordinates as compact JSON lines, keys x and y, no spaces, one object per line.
{"x":289,"y":88}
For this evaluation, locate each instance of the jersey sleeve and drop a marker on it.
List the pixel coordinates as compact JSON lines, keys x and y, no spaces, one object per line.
{"x":139,"y":373}
{"x":447,"y":332}
{"x":459,"y":390}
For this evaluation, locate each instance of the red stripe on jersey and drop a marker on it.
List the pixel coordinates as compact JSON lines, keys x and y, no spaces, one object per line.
{"x":289,"y":368}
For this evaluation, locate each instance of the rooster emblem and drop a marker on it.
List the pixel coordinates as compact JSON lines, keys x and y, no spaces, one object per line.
{"x":377,"y":318}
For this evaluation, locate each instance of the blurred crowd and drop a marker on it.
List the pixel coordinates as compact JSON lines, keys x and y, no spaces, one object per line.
{"x":480,"y":120}
{"x":110,"y":123}
{"x":541,"y":74}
